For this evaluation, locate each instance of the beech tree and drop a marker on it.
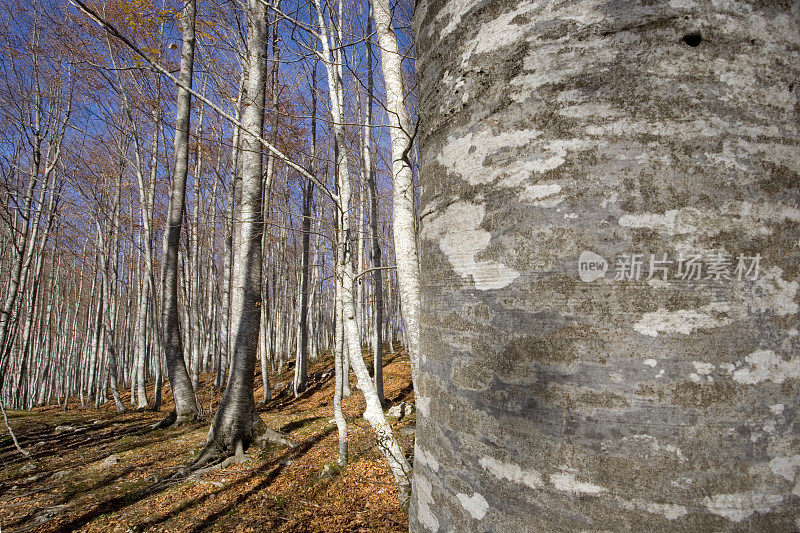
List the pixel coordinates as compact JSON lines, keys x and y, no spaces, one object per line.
{"x":404,"y":214}
{"x":37,"y":109}
{"x":351,"y":342}
{"x":236,"y":423}
{"x":600,"y":186}
{"x":221,"y":290}
{"x":182,"y":391}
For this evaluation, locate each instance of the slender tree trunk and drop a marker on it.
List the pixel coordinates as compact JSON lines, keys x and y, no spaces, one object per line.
{"x":141,"y":344}
{"x":404,"y":221}
{"x":195,"y":300}
{"x":269,"y":176}
{"x":373,"y":413}
{"x":108,"y":250}
{"x":146,"y":202}
{"x":94,"y":349}
{"x":374,"y":236}
{"x":111,"y":352}
{"x":182,"y":391}
{"x":225,"y":351}
{"x":209,"y":329}
{"x":302,"y":349}
{"x":338,"y":350}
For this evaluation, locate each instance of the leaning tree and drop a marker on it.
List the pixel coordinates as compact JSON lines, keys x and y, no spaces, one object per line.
{"x":609,"y":266}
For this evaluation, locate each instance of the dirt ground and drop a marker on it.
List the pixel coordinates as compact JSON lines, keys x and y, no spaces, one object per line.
{"x":102,"y":471}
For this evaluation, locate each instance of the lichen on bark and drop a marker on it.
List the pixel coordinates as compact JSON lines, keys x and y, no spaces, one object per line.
{"x":550,"y":129}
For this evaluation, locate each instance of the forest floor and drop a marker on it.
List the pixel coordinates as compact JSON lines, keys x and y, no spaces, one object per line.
{"x":101,"y":470}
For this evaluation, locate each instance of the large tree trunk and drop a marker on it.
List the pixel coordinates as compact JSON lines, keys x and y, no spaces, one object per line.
{"x":549,"y":403}
{"x":236,"y":423}
{"x":182,"y":391}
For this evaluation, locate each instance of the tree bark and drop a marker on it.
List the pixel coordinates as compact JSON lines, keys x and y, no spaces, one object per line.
{"x":236,"y":423}
{"x":339,"y":376}
{"x":404,"y":221}
{"x":182,"y":391}
{"x":195,"y":299}
{"x":551,"y":400}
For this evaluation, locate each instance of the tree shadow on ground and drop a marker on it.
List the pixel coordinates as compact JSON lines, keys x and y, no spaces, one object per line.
{"x":120,"y":501}
{"x":270,"y":476}
{"x":106,"y":445}
{"x":46,"y":441}
{"x":56,"y":488}
{"x":297,"y":424}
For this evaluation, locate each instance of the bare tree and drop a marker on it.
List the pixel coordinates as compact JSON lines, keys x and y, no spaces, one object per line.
{"x":373,"y":413}
{"x":374,"y":236}
{"x":236,"y":423}
{"x":182,"y":391}
{"x":404,"y":221}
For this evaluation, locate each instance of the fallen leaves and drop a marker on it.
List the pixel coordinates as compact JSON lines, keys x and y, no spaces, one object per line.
{"x":280,"y":489}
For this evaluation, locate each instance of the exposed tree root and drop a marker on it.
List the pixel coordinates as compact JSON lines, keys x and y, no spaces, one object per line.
{"x":217,"y":455}
{"x":167,"y":421}
{"x":262,"y":435}
{"x":172,"y":420}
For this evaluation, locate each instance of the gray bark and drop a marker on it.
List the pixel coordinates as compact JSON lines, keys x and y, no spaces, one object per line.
{"x":195,"y":299}
{"x":549,"y":403}
{"x":182,"y":391}
{"x":227,"y":262}
{"x":339,"y":377}
{"x":236,"y":423}
{"x":108,"y":248}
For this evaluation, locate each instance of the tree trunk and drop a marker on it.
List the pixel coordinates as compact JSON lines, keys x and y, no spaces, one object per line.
{"x":373,"y":413}
{"x":301,"y":360}
{"x":569,"y":383}
{"x":195,"y":299}
{"x":109,"y":248}
{"x":182,"y":391}
{"x":404,"y":221}
{"x":374,"y":236}
{"x":225,"y":340}
{"x":339,"y":376}
{"x":236,"y":423}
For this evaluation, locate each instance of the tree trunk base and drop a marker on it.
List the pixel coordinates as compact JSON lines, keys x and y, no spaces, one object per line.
{"x":172,"y":420}
{"x":167,"y":421}
{"x":219,"y":452}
